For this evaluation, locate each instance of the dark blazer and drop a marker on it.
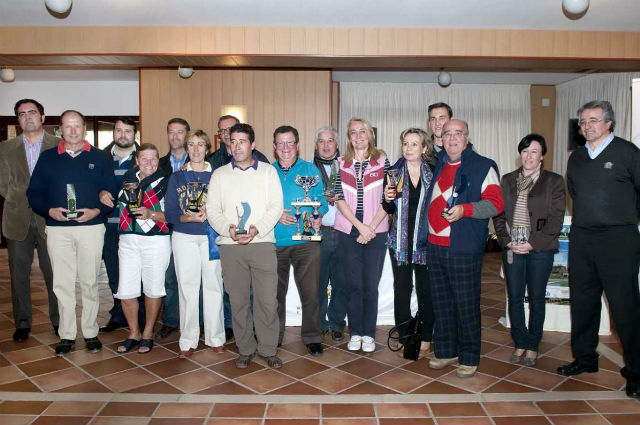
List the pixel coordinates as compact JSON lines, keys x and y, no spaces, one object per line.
{"x":546,"y":205}
{"x":14,"y":180}
{"x":165,"y":163}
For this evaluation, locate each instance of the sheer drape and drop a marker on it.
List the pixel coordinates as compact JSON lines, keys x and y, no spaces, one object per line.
{"x":616,"y":88}
{"x":498,"y":115}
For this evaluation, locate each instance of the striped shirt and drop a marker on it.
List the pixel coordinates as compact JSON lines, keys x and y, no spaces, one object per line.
{"x":33,"y":151}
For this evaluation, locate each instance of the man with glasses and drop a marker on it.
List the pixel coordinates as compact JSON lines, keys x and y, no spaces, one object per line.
{"x":304,"y":256}
{"x":23,"y":229}
{"x":439,"y":114}
{"x":465,"y":194}
{"x":604,"y":183}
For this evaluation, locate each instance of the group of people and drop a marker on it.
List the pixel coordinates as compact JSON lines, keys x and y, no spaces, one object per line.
{"x":210,"y":238}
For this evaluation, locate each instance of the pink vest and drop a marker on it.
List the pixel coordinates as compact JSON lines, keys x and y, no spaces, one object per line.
{"x":372,"y":183}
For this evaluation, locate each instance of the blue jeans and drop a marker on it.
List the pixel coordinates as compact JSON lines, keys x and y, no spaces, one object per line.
{"x":530,"y":271}
{"x":331,"y":269}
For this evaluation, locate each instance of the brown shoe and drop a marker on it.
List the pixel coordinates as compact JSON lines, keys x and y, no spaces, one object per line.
{"x":465,"y":371}
{"x":164,"y":332}
{"x":273,"y":362}
{"x":438,"y":364}
{"x":243,"y":361}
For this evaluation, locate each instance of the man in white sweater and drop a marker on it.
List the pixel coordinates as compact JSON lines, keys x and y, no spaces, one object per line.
{"x":243,"y":206}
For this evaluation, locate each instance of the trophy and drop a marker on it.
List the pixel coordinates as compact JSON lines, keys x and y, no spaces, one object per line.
{"x":394,"y":179}
{"x":195,"y":195}
{"x":244,"y":211}
{"x":132,"y":194}
{"x":450,"y":202}
{"x":71,"y":201}
{"x":330,"y":190}
{"x":306,"y":182}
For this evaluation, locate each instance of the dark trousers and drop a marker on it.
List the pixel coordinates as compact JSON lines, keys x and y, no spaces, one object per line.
{"x":363,"y":265}
{"x":333,"y":312}
{"x":403,"y":287}
{"x":606,"y":259}
{"x":110,"y":257}
{"x":531,"y":272}
{"x":170,"y":309}
{"x":455,"y":288}
{"x":20,"y":260}
{"x":305,"y":259}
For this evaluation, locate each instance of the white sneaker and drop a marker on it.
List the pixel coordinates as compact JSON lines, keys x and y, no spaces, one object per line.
{"x":368,"y":344}
{"x":354,"y":343}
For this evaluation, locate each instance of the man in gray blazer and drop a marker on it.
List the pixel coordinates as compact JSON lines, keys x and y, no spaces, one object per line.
{"x":23,"y":228}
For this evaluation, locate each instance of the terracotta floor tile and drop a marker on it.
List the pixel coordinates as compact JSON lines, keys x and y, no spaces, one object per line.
{"x":549,"y":364}
{"x":292,"y":422}
{"x":265,"y":380}
{"x":227,"y":388}
{"x":511,"y":408}
{"x":616,"y":406}
{"x":23,"y":407}
{"x":297,"y":388}
{"x":171,"y":367}
{"x":158,"y":387}
{"x":108,"y":366}
{"x":349,"y":422}
{"x":522,"y":420}
{"x":436,"y":387}
{"x":61,"y":379}
{"x":123,"y":381}
{"x":562,"y":352}
{"x":456,"y":409}
{"x":234,"y":422}
{"x":368,"y":387}
{"x":495,"y":336}
{"x":476,"y":383}
{"x":405,"y":421}
{"x":536,"y":378}
{"x":501,"y":353}
{"x":43,"y":366}
{"x":401,"y":380}
{"x":365,"y":368}
{"x":604,"y":363}
{"x":482,"y":420}
{"x":175,"y":421}
{"x":91,"y":386}
{"x":495,"y":367}
{"x":422,"y":367}
{"x":623,"y":419}
{"x":335,"y":357}
{"x":30,"y":354}
{"x":77,"y":408}
{"x":505,"y":386}
{"x":17,"y":420}
{"x":348,"y":410}
{"x":62,"y":420}
{"x":24,"y":385}
{"x":405,"y":410}
{"x":122,"y":408}
{"x":11,"y":345}
{"x":604,"y":378}
{"x":388,"y":357}
{"x":82,"y":357}
{"x":302,"y":367}
{"x":333,"y":380}
{"x":196,"y":380}
{"x":209,"y":357}
{"x":296,"y":347}
{"x":158,"y":354}
{"x":10,"y":374}
{"x":293,"y":411}
{"x":111,"y":420}
{"x":578,"y":420}
{"x":575,"y":385}
{"x":183,"y":410}
{"x":238,"y":410}
{"x":565,"y":407}
{"x":230,"y":370}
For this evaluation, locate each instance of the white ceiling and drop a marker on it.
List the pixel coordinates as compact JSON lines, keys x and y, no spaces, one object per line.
{"x":603,"y":15}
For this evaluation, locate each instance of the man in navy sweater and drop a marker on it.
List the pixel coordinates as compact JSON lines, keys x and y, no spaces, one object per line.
{"x":64,"y":189}
{"x":604,"y":182}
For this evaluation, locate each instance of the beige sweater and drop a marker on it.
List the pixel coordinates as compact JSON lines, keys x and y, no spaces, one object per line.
{"x":260,"y":188}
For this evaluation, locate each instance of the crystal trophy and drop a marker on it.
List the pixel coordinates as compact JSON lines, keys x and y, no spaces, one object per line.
{"x":307,"y":234}
{"x":450,"y":202}
{"x":132,"y":195}
{"x":244,"y":211}
{"x":330,"y":190}
{"x":72,"y":212}
{"x":394,"y":178}
{"x":195,"y":195}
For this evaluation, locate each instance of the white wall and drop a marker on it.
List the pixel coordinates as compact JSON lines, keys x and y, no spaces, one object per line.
{"x":90,"y":92}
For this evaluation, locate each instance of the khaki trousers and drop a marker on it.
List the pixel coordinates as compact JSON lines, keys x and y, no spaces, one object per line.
{"x":76,"y":253}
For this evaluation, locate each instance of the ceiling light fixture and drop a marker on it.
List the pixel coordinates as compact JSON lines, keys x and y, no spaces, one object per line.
{"x":58,"y":6}
{"x":575,"y":7}
{"x":444,"y":79}
{"x":185,"y":72}
{"x":7,"y":75}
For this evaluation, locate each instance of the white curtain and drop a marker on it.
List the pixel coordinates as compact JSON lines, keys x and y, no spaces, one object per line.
{"x":615,"y":88}
{"x":498,"y":114}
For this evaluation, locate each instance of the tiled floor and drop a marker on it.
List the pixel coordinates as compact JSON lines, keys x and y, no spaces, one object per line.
{"x":338,"y":388}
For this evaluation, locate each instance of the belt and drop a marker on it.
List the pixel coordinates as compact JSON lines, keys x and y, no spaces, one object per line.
{"x":327,"y":228}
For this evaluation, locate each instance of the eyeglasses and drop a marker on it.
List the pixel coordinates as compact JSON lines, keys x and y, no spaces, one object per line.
{"x":224,"y":131}
{"x":457,"y":134}
{"x":287,"y":143}
{"x":31,"y":113}
{"x":590,"y":121}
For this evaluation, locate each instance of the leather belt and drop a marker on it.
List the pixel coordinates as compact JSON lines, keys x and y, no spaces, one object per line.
{"x":327,"y":228}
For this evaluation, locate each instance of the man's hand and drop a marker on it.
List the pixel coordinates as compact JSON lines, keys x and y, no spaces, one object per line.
{"x":58,"y":214}
{"x":106,"y":198}
{"x":246,"y":238}
{"x":331,"y":199}
{"x":86,"y":214}
{"x":316,"y":223}
{"x":287,"y":219}
{"x":454,"y":214}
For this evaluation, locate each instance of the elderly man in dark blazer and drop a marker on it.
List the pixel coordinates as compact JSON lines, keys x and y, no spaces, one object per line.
{"x":23,"y":228}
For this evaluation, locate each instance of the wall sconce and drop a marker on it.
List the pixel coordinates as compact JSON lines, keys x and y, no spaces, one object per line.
{"x":58,"y":6}
{"x":7,"y":75}
{"x":444,"y":78}
{"x":185,"y":72}
{"x":238,"y":111}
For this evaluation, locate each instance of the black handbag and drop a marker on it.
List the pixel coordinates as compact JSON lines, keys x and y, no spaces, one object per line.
{"x":411,"y":340}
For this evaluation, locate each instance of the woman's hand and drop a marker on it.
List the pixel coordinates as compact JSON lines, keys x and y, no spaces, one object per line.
{"x":142,"y":213}
{"x":367,"y":233}
{"x":521,"y":248}
{"x":390,"y":193}
{"x":194,"y":217}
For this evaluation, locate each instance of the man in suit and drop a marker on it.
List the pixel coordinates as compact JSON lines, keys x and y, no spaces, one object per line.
{"x":23,"y":229}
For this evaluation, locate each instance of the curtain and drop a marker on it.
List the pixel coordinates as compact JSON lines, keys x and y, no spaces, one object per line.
{"x":498,"y":114}
{"x":615,"y":88}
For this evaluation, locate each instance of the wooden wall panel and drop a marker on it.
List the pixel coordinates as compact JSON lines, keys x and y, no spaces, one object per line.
{"x":273,"y":98}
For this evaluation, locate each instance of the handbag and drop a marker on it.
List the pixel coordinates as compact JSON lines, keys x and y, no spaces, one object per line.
{"x":411,"y":340}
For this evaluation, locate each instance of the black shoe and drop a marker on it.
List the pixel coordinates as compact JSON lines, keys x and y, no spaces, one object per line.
{"x":64,"y":346}
{"x":576,"y":368}
{"x":21,"y":334}
{"x":164,"y":332}
{"x":315,"y":349}
{"x":111,"y":326}
{"x":55,"y":330}
{"x":337,"y":336}
{"x":633,"y":389}
{"x":228,"y":334}
{"x":93,"y":344}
